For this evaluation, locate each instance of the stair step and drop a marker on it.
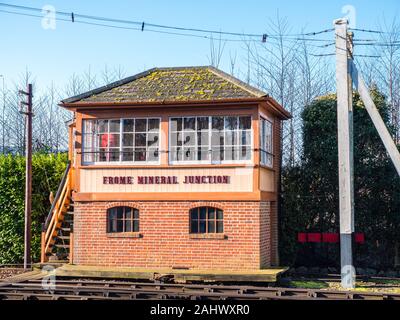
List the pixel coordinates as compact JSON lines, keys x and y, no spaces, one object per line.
{"x":65,"y":246}
{"x":66,"y":229}
{"x":69,"y":212}
{"x":63,"y":237}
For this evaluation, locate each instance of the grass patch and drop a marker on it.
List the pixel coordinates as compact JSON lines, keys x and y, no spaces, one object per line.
{"x":389,"y":282}
{"x":310,"y":284}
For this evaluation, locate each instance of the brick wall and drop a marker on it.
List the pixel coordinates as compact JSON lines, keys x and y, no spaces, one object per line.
{"x":166,"y":242}
{"x":274,"y":233}
{"x":274,"y":219}
{"x":265,"y":234}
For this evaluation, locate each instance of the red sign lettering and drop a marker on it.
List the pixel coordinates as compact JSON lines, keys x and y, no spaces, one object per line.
{"x":167,"y":180}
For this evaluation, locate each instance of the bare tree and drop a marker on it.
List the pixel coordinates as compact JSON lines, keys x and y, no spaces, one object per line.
{"x":385,"y":70}
{"x":272,"y":66}
{"x":287,"y":69}
{"x":74,"y":86}
{"x":119,"y":73}
{"x":216,"y":51}
{"x":89,"y":79}
{"x":49,"y":121}
{"x":232,"y":63}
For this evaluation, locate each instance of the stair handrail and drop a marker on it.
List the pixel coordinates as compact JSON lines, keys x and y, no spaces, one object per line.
{"x":60,"y":188}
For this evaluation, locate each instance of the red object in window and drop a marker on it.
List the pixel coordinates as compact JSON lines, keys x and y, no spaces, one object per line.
{"x":108,"y":140}
{"x":302,"y":237}
{"x":359,"y":237}
{"x":314,"y":237}
{"x":330,"y":237}
{"x":104,"y":140}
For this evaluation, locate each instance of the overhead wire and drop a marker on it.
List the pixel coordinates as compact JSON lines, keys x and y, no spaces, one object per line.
{"x":365,"y":30}
{"x":201,"y":33}
{"x":140,"y":25}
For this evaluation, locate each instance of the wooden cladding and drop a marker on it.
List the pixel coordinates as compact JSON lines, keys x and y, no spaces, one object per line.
{"x":183,"y":180}
{"x":247,"y":181}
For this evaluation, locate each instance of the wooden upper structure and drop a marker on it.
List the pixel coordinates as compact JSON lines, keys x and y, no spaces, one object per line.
{"x":166,"y":93}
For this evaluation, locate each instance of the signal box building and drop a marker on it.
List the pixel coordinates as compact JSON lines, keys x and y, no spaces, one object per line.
{"x":170,"y":168}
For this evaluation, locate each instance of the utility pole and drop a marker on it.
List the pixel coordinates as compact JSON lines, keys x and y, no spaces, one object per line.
{"x":28,"y":174}
{"x":345,"y":150}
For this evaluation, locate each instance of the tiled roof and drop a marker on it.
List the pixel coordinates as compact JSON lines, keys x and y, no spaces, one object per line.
{"x":172,"y":84}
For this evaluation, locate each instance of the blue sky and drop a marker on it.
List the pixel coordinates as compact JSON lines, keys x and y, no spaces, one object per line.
{"x":54,"y":55}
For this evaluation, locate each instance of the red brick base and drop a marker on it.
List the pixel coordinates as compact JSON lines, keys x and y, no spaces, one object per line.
{"x":165,"y":240}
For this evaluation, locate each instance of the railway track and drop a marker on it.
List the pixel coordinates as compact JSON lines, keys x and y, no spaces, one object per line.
{"x":83,"y":289}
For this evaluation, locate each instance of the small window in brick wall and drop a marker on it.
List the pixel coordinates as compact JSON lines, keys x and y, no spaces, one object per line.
{"x":206,"y":220}
{"x":122,"y":219}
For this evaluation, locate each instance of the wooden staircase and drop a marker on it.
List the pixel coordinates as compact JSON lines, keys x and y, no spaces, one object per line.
{"x":57,"y":231}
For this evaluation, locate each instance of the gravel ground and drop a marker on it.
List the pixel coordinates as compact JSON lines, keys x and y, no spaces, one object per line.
{"x":371,"y":285}
{"x":8,"y":272}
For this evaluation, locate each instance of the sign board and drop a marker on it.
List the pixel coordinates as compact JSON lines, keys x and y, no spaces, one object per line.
{"x":166,"y":179}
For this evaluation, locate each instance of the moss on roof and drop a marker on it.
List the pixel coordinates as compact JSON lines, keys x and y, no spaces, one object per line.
{"x":172,"y":84}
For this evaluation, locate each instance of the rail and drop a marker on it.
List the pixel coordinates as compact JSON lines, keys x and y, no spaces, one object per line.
{"x":117,"y":290}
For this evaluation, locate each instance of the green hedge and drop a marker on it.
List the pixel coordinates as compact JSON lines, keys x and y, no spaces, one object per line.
{"x":47,"y":172}
{"x":310,"y":192}
{"x":311,"y":195}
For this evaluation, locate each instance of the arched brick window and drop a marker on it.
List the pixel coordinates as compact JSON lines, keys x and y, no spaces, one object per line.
{"x":206,"y":220}
{"x":122,"y":219}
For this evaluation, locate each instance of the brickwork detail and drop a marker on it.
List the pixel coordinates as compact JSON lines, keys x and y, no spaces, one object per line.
{"x":274,"y":219}
{"x":165,"y":240}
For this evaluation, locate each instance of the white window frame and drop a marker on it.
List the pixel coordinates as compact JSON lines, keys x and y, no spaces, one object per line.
{"x":271,"y":153}
{"x":121,"y":132}
{"x":210,"y":161}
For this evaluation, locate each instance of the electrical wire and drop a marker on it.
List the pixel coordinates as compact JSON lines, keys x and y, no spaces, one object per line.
{"x":118,"y":27}
{"x":140,"y":25}
{"x":365,"y":30}
{"x":159,"y":31}
{"x":196,"y":32}
{"x":322,"y":54}
{"x":366,"y":56}
{"x":381,"y":44}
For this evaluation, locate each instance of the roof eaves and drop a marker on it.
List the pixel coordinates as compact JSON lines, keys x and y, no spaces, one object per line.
{"x":278,"y":108}
{"x":160,"y":103}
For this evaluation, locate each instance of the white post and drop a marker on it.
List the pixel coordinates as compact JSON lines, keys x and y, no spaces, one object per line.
{"x":345,"y":153}
{"x":376,"y":117}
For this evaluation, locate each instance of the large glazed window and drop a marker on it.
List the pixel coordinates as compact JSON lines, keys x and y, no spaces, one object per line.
{"x":210,"y":139}
{"x":121,"y":140}
{"x":206,"y":220}
{"x":266,"y":142}
{"x":122,"y":219}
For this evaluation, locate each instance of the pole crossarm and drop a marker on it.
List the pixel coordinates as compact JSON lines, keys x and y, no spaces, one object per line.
{"x":376,"y":118}
{"x":23,"y":92}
